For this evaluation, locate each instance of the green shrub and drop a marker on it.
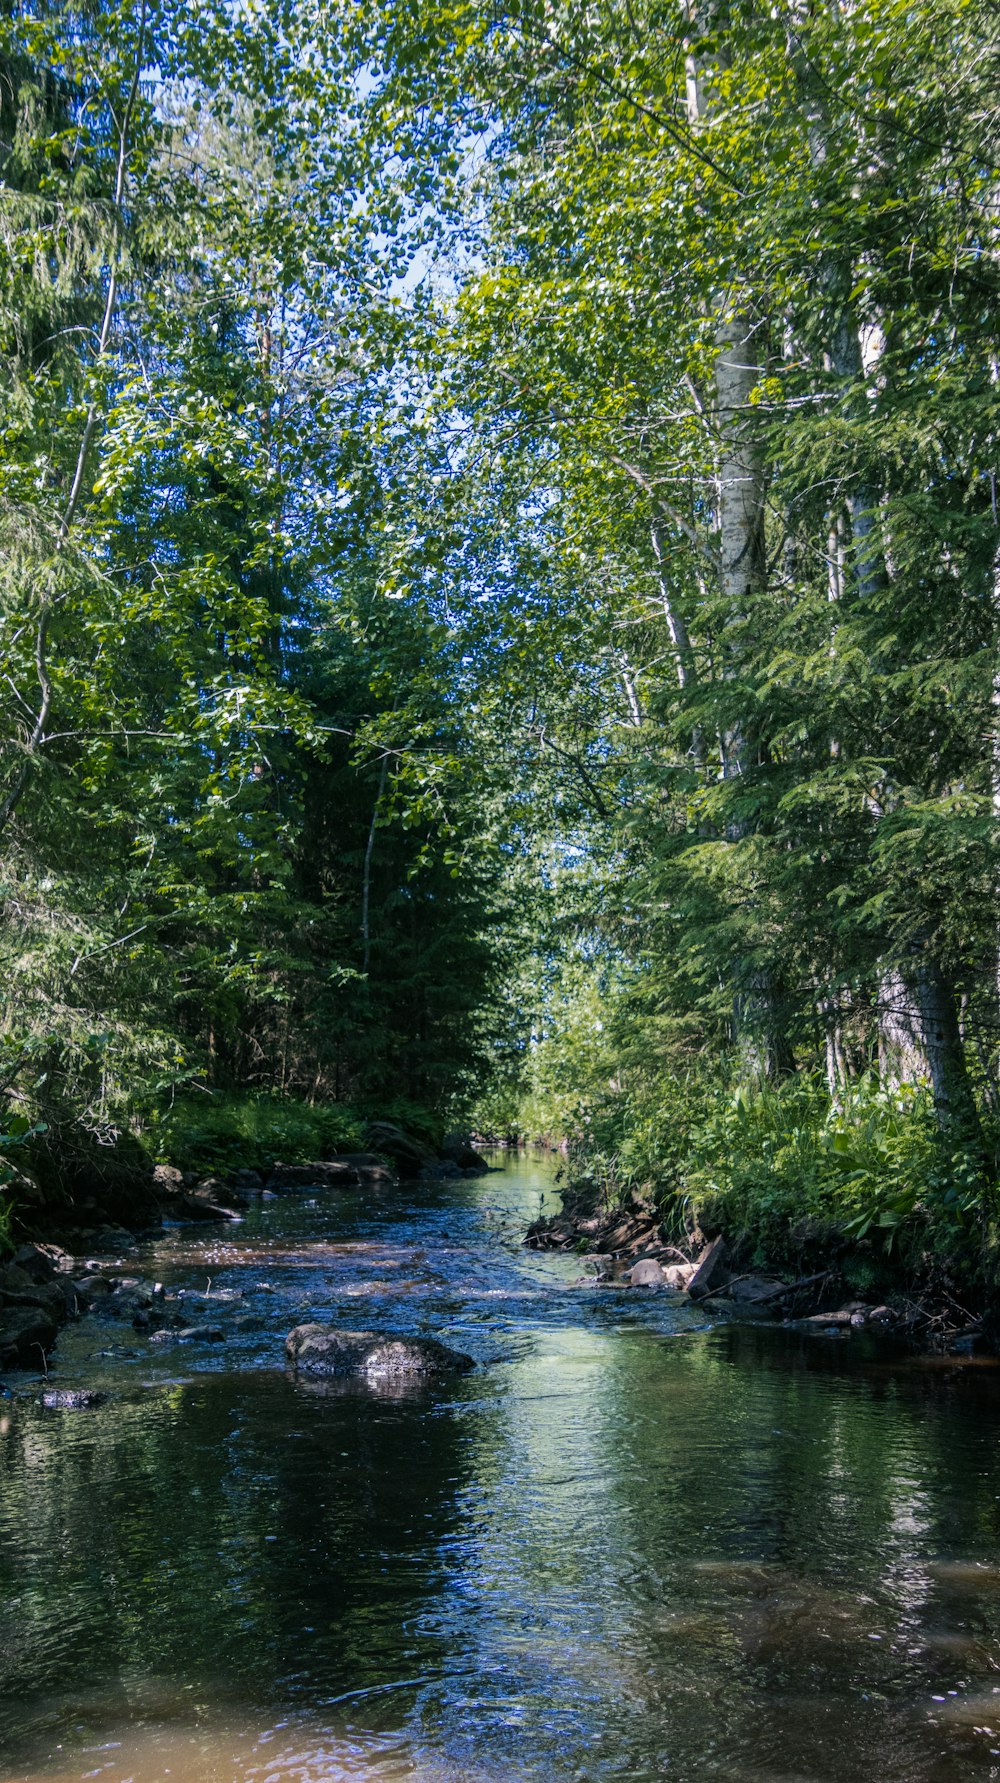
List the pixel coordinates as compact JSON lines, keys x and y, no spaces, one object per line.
{"x":874,"y":1166}
{"x":421,"y":1123}
{"x":786,"y":1170}
{"x":214,"y":1133}
{"x":16,"y":1130}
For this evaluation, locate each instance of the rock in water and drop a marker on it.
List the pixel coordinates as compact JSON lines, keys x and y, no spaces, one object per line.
{"x":71,"y":1399}
{"x":27,"y":1333}
{"x":460,"y":1149}
{"x":709,"y":1269}
{"x":647,"y":1274}
{"x":409,"y":1155}
{"x":677,"y":1275}
{"x":748,"y":1289}
{"x":316,"y":1349}
{"x":331,"y":1173}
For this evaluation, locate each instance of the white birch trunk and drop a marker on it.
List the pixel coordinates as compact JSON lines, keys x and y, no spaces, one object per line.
{"x":758,"y":1027}
{"x":919,"y":1040}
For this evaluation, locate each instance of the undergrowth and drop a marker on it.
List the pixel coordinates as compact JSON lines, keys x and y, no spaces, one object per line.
{"x":208,"y":1134}
{"x":787,"y":1169}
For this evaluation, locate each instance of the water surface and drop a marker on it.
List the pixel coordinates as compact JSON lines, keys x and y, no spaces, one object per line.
{"x":633,"y":1544}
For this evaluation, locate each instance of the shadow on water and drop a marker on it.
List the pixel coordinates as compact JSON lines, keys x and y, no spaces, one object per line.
{"x":631,"y":1545}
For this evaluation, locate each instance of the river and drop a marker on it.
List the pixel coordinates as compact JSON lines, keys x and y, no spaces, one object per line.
{"x":635,"y":1543}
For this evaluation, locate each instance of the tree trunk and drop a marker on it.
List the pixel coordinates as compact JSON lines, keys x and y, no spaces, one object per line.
{"x":995,"y":709}
{"x":366,"y":874}
{"x":758,"y":1028}
{"x":920,"y":1041}
{"x":838,"y":1062}
{"x":918,"y":1033}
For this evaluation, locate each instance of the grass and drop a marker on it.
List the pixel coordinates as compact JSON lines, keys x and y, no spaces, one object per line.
{"x":209,"y":1134}
{"x":786,"y":1170}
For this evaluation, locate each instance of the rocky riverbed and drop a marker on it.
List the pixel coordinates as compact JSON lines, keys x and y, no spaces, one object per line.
{"x":627,"y":1249}
{"x":102,"y":1271}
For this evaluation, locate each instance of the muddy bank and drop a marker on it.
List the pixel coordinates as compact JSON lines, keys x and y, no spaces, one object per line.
{"x":627,"y":1242}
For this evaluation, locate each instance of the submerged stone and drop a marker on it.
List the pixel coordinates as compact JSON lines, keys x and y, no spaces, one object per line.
{"x":316,"y":1349}
{"x":71,"y":1399}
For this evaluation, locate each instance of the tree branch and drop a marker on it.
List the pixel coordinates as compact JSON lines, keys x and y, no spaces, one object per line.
{"x":37,"y":732}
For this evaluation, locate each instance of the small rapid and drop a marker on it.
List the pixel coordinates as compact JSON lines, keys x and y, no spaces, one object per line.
{"x":636,"y":1542}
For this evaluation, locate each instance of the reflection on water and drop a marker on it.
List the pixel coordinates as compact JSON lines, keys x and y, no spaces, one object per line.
{"x":629,"y":1546}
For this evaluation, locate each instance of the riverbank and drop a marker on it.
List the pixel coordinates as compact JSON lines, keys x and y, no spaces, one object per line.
{"x":624,"y":1237}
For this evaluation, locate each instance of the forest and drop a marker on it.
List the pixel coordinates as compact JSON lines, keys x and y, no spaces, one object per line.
{"x":500,"y":596}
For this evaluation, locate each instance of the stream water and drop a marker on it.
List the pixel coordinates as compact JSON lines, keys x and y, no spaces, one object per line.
{"x":633,"y":1544}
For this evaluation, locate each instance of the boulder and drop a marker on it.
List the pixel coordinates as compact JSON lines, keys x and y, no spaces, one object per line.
{"x":247,"y":1182}
{"x":377,"y":1176}
{"x":109,"y":1240}
{"x":410,"y":1156}
{"x":372,"y":1169}
{"x":750,"y":1288}
{"x":15,"y":1283}
{"x":27,"y":1334}
{"x":200,"y":1207}
{"x":332,"y":1173}
{"x":42,"y":1261}
{"x":647,"y":1273}
{"x":71,"y":1399}
{"x":215,"y":1193}
{"x":92,"y":1287}
{"x":460,"y":1149}
{"x":317,"y":1349}
{"x":20,"y":1286}
{"x":130,"y":1296}
{"x":708,"y":1269}
{"x":54,"y":1298}
{"x":677,"y":1275}
{"x":167,"y":1180}
{"x":209,"y":1188}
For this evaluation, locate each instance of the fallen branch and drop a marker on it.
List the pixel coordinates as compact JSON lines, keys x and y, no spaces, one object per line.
{"x":806,"y":1281}
{"x":711,"y":1292}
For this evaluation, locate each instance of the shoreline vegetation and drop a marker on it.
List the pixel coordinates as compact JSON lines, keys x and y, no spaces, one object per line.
{"x":856,"y":1210}
{"x":624,"y":1237}
{"x":507,"y":640}
{"x":71,"y":1255}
